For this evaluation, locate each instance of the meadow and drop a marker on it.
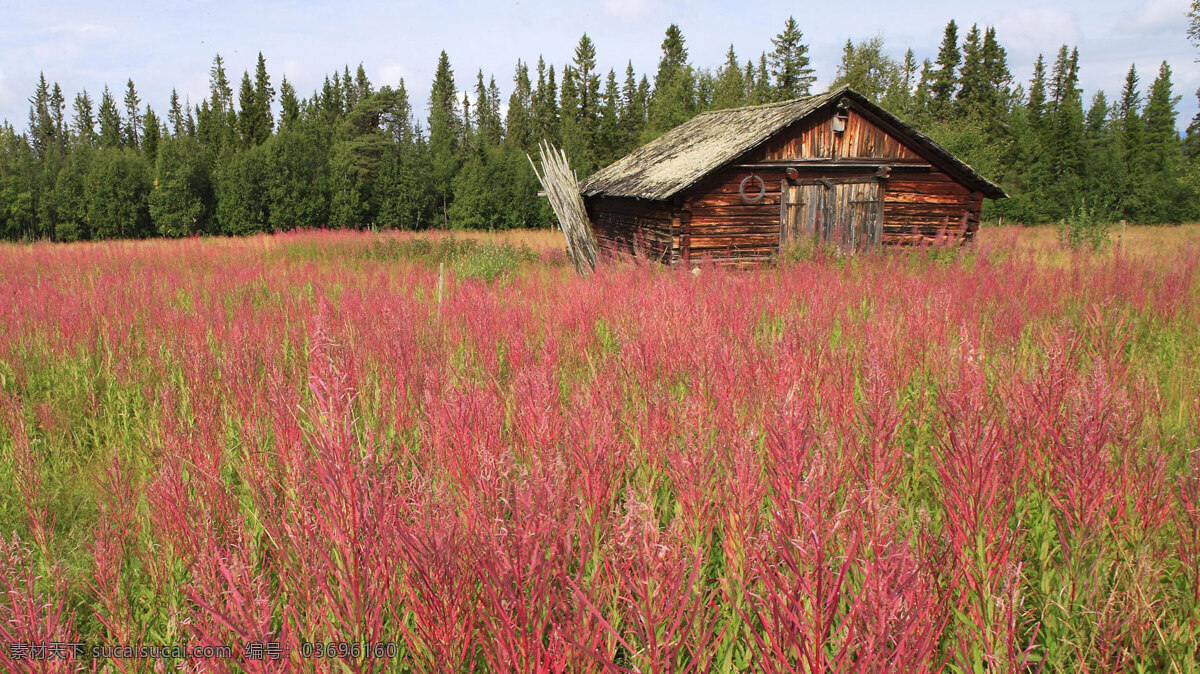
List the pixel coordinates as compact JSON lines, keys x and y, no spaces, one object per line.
{"x":297,"y":446}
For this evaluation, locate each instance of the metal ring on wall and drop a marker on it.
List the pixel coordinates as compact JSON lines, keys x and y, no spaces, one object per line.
{"x":762,"y":189}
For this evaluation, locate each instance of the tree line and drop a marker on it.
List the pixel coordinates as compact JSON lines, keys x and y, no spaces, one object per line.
{"x":354,"y":155}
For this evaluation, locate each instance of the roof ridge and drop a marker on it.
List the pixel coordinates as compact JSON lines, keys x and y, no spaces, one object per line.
{"x":758,"y":106}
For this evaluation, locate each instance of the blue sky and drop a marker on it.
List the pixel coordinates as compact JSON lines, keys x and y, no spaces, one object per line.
{"x":165,"y":44}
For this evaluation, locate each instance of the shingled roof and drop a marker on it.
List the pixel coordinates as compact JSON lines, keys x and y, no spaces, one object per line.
{"x":683,"y":156}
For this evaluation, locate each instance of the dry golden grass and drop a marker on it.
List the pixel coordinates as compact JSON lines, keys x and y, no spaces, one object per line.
{"x":535,"y":239}
{"x":1137,"y":241}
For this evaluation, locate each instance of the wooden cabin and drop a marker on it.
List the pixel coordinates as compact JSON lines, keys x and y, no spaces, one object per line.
{"x":737,"y":185}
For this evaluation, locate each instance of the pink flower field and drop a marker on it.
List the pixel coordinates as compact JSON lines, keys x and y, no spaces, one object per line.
{"x":289,"y":449}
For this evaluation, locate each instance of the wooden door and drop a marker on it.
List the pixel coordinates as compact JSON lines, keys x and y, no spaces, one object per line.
{"x":848,"y":215}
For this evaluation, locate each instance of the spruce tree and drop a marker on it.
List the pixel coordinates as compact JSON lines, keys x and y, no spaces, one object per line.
{"x":763,"y":91}
{"x":633,"y":110}
{"x":900,"y":98}
{"x":264,"y":100}
{"x":289,"y":105}
{"x":545,"y":105}
{"x":730,"y":91}
{"x":1162,"y":146}
{"x":133,"y":116}
{"x":790,"y":62}
{"x":945,"y":78}
{"x":58,"y":105}
{"x":1191,"y":143}
{"x":997,"y":75}
{"x":673,"y":99}
{"x":923,"y":98}
{"x":518,"y":121}
{"x":972,"y":78}
{"x":247,"y":119}
{"x":1130,"y":129}
{"x":110,"y":120}
{"x":175,"y":115}
{"x":1036,"y":105}
{"x":579,"y":103}
{"x":41,"y":122}
{"x":151,"y":134}
{"x":84,"y":122}
{"x":487,"y":113}
{"x":608,"y":137}
{"x":445,"y":134}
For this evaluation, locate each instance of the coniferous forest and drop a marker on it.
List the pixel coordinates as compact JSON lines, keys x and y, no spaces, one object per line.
{"x":257,"y":156}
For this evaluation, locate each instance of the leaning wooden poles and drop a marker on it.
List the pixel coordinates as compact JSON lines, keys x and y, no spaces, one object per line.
{"x":562,"y":189}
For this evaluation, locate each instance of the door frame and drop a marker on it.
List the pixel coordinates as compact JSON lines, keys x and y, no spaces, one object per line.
{"x":829,"y":183}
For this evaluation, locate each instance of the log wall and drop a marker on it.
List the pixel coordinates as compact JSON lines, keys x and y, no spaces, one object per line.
{"x":918,"y":207}
{"x":635,"y":227}
{"x":724,"y":228}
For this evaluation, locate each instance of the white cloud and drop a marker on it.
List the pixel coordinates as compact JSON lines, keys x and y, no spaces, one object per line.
{"x":5,"y":95}
{"x":96,"y":29}
{"x":1159,"y":15}
{"x":391,"y":73}
{"x":1038,"y":30}
{"x":626,"y":9}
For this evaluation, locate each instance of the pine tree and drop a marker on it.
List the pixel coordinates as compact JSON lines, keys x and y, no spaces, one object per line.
{"x":945,"y":78}
{"x":790,"y":63}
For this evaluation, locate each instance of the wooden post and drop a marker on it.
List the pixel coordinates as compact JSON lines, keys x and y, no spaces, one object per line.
{"x":441,"y":285}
